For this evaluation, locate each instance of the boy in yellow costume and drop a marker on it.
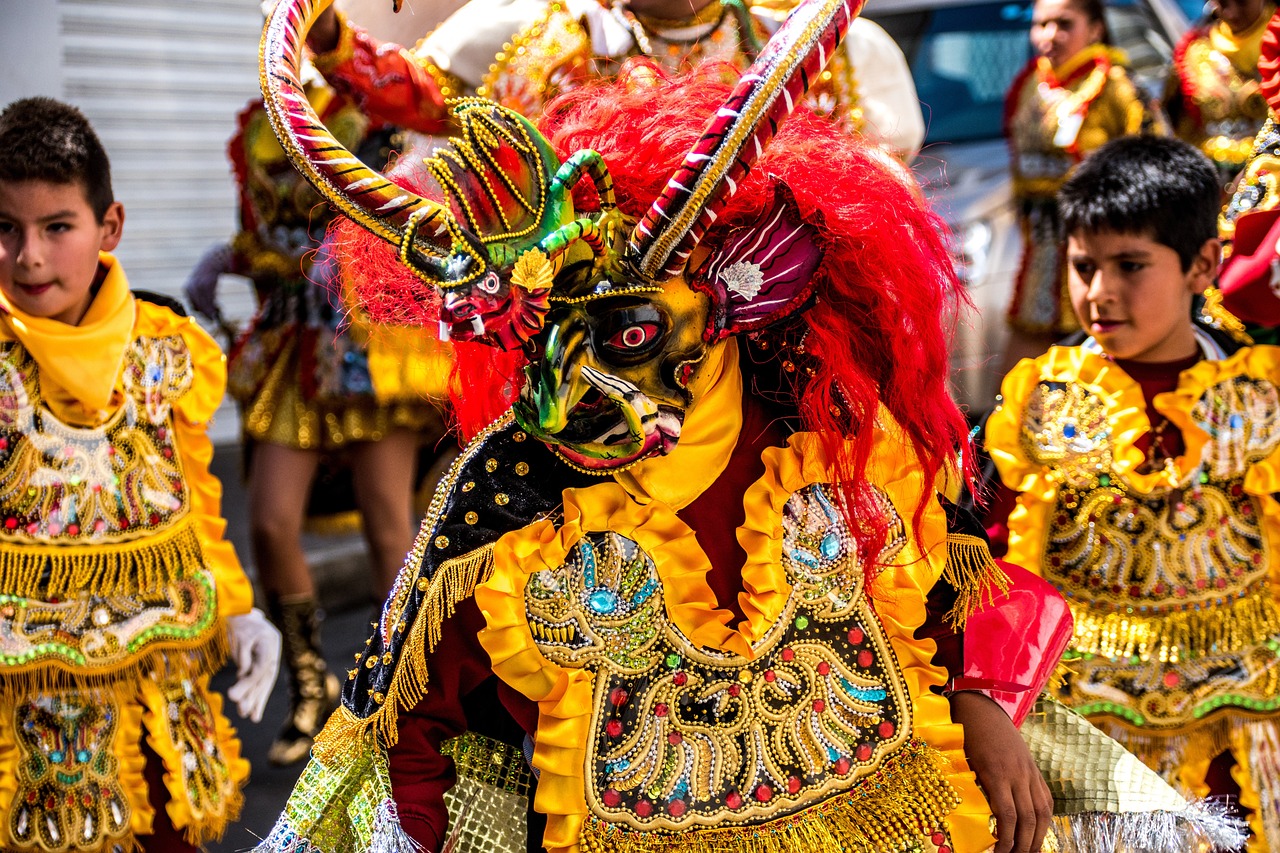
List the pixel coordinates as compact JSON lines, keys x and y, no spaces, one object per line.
{"x":1144,"y":462}
{"x":118,"y":595}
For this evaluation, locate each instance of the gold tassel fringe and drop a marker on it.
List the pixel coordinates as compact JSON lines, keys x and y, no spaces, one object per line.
{"x":887,"y":811}
{"x":974,"y":574}
{"x":454,"y":581}
{"x":108,"y":569}
{"x":1174,"y":637}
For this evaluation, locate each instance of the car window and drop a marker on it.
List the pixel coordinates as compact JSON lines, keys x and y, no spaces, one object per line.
{"x":964,"y":58}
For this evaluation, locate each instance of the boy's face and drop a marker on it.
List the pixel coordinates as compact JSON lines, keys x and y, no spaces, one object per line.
{"x":1132,"y":295}
{"x":49,"y":244}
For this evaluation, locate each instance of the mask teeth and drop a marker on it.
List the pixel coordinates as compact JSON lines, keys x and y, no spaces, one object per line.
{"x":444,"y":331}
{"x":477,"y":325}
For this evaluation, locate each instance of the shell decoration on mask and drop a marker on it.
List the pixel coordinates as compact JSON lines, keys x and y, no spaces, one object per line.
{"x":614,"y":312}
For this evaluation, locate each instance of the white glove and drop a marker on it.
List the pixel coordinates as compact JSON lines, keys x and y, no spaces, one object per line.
{"x":255,"y":648}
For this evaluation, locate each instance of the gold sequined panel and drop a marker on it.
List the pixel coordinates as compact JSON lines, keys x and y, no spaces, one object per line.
{"x":67,"y":773}
{"x":554,"y":55}
{"x":1230,"y":106}
{"x":1257,"y":189}
{"x":118,"y":482}
{"x":684,"y":735}
{"x":1169,"y":589}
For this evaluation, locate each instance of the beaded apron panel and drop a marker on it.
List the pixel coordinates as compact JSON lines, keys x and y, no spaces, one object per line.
{"x":98,"y":558}
{"x":68,"y":791}
{"x":1170,"y":590}
{"x":686,"y":736}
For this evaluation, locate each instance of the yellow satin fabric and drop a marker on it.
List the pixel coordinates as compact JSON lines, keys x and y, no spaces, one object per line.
{"x":707,"y":437}
{"x":1245,"y":49}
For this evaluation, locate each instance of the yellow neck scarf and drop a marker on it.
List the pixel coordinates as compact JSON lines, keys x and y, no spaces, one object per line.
{"x":1245,"y":49}
{"x":79,"y":365}
{"x":707,"y":437}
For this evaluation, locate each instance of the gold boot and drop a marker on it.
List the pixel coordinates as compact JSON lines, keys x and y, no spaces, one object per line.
{"x":313,"y":690}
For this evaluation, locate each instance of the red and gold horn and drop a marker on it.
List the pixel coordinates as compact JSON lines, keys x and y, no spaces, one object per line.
{"x":359,"y":191}
{"x":737,"y":134}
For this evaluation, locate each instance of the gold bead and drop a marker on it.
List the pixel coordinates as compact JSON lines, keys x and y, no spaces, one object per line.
{"x":518,"y":436}
{"x":442,"y":541}
{"x":423,"y":583}
{"x":744,"y":675}
{"x":501,"y":499}
{"x":471,"y":518}
{"x":491,"y":465}
{"x":386,"y":659}
{"x":379,"y":698}
{"x":370,"y":662}
{"x":522,"y":468}
{"x":469,"y":485}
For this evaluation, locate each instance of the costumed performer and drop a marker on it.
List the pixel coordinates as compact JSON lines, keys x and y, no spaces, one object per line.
{"x":1138,"y":467}
{"x":1071,"y":98}
{"x":314,"y":386}
{"x":118,"y":594}
{"x":1212,"y":99}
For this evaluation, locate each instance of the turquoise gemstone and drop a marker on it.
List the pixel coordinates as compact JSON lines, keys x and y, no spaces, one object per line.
{"x":603,"y":601}
{"x":830,"y":546}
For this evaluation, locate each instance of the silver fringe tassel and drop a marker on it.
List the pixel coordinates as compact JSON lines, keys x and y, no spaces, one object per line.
{"x":387,"y":836}
{"x":1204,"y":826}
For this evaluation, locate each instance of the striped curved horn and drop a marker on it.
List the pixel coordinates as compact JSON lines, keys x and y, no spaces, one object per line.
{"x":662,"y":241}
{"x":360,"y":192}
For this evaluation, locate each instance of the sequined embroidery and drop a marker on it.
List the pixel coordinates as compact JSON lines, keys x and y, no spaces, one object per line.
{"x":1169,"y":588}
{"x":685,"y":735}
{"x":68,"y":793}
{"x":121,"y":481}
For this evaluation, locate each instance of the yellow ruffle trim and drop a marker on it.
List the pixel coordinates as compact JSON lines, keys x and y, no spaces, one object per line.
{"x":565,"y":696}
{"x":207,"y":821}
{"x":1122,"y":400}
{"x":190,"y":424}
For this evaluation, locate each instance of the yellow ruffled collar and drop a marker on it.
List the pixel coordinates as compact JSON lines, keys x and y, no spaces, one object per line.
{"x":79,"y":365}
{"x":1125,"y":407}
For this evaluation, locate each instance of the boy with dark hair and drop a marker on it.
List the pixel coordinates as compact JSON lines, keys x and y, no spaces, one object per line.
{"x":1143,"y":460}
{"x":118,"y":595}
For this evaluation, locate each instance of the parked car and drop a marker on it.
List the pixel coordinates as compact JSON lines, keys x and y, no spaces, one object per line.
{"x":964,"y":55}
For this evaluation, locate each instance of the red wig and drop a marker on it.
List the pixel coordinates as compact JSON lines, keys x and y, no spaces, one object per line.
{"x":886,"y":290}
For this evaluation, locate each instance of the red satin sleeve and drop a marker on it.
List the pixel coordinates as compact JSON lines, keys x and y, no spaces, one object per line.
{"x":420,"y":775}
{"x":387,"y":82}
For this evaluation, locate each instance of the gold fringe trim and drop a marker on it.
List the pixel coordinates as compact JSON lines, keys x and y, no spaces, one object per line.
{"x":47,"y":571}
{"x":453,"y":582}
{"x":1173,"y":637}
{"x":890,"y":810}
{"x":1220,"y":318}
{"x":974,"y":574}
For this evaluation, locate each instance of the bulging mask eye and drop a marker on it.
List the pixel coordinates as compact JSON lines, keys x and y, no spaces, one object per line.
{"x":634,"y":337}
{"x":489,"y":284}
{"x":630,"y":335}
